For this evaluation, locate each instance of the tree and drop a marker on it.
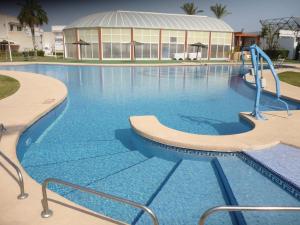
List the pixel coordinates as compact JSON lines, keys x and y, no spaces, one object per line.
{"x":219,"y":10}
{"x":32,"y":14}
{"x":271,"y":35}
{"x":191,"y":9}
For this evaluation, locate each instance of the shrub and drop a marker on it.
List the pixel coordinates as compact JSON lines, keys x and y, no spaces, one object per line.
{"x":31,"y":53}
{"x":274,"y":54}
{"x":17,"y":54}
{"x":40,"y":53}
{"x":297,"y":51}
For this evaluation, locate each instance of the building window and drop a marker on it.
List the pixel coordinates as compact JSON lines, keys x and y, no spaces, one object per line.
{"x":19,"y":28}
{"x":195,"y":37}
{"x":172,"y":42}
{"x":173,"y":39}
{"x":11,"y":27}
{"x":70,"y":37}
{"x":116,"y":43}
{"x":146,"y":43}
{"x":220,"y":45}
{"x":90,"y":36}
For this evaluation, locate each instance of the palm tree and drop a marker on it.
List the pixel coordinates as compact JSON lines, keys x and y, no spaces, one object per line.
{"x":219,"y":10}
{"x":191,"y":9}
{"x":32,"y":14}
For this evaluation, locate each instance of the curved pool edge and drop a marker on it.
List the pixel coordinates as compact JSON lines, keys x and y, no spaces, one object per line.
{"x":38,"y":95}
{"x":264,"y":134}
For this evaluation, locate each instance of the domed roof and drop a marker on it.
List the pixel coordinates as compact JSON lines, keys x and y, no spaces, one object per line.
{"x":150,"y":20}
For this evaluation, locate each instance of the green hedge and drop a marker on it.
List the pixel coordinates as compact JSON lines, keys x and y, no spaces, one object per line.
{"x":31,"y":53}
{"x":274,"y":54}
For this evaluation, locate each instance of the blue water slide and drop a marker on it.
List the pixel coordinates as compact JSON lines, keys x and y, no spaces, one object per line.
{"x":256,"y":54}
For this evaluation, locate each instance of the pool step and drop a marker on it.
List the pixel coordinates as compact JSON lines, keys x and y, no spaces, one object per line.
{"x":86,"y":171}
{"x":285,"y":164}
{"x":188,"y":193}
{"x":251,"y":188}
{"x":47,"y":153}
{"x":138,"y":183}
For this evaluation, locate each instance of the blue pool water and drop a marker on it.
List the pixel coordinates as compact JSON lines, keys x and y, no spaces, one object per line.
{"x":88,"y":141}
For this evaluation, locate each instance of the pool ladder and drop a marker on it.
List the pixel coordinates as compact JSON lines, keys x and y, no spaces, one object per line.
{"x":20,"y":179}
{"x":47,"y":212}
{"x":225,"y":208}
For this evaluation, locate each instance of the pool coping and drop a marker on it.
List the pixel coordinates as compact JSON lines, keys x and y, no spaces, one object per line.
{"x":263,"y":135}
{"x":38,"y":94}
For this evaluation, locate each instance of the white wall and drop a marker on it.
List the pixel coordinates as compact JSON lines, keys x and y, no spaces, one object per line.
{"x":288,"y":43}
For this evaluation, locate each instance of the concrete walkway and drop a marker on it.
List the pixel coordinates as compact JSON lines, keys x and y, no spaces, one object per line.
{"x":37,"y":95}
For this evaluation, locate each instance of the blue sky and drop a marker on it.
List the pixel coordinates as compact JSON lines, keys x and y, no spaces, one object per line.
{"x":245,"y":13}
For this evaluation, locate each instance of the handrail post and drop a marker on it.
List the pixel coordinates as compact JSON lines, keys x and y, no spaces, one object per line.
{"x":48,"y":213}
{"x":22,"y":194}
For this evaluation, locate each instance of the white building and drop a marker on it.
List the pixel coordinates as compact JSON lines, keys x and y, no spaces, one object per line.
{"x":131,"y":35}
{"x":289,"y":33}
{"x":58,"y":38}
{"x":289,"y":40}
{"x":21,"y":40}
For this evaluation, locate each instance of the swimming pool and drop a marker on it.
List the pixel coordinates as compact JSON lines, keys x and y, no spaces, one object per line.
{"x":88,"y":141}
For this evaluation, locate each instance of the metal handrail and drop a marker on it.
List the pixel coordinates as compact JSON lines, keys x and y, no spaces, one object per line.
{"x":22,"y":194}
{"x":2,"y":130}
{"x":244,"y":208}
{"x":47,"y":212}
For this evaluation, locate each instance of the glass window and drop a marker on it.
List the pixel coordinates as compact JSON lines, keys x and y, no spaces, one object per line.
{"x":173,"y":39}
{"x":154,"y":51}
{"x":204,"y":53}
{"x":116,"y":43}
{"x":173,"y":42}
{"x":19,"y":28}
{"x":116,"y":51}
{"x":180,"y":48}
{"x":146,"y":51}
{"x":220,"y":51}
{"x":138,"y":51}
{"x":223,"y":43}
{"x":146,"y":38}
{"x":71,"y":51}
{"x":125,"y":50}
{"x":95,"y":51}
{"x":213,"y":51}
{"x":165,"y":50}
{"x":226,"y":51}
{"x":106,"y":50}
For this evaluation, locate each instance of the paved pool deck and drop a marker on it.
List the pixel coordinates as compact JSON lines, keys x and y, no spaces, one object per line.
{"x":264,"y":134}
{"x":37,"y":95}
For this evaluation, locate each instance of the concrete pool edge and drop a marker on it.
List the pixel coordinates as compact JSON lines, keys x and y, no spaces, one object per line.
{"x":37,"y":96}
{"x":263,"y":135}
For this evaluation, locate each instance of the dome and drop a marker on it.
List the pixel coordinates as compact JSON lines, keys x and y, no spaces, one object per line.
{"x":150,"y":20}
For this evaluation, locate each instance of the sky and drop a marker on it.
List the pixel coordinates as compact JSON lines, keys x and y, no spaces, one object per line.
{"x":245,"y":14}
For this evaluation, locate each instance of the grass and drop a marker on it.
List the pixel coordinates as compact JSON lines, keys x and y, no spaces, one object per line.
{"x":8,"y":86}
{"x":290,"y":77}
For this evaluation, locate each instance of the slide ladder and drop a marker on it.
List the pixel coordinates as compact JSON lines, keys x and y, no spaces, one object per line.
{"x":256,"y":54}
